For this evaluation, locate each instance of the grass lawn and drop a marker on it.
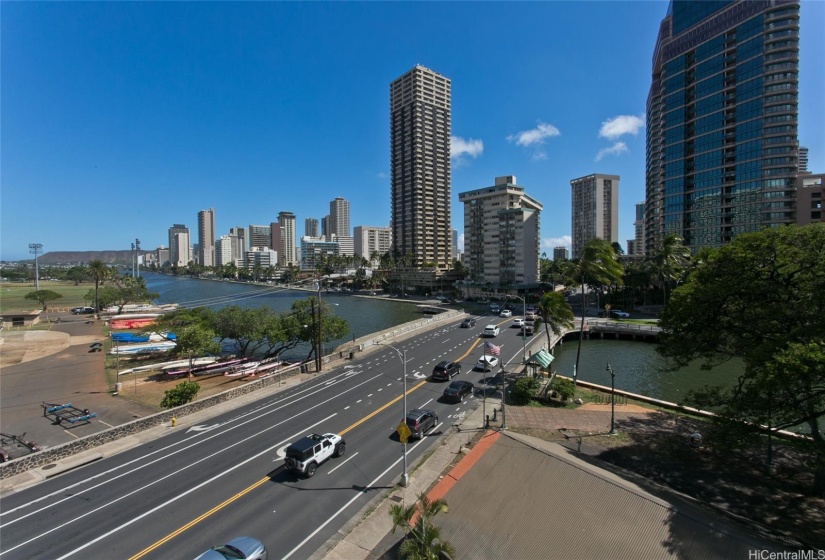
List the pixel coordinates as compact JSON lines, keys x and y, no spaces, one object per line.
{"x":13,"y":295}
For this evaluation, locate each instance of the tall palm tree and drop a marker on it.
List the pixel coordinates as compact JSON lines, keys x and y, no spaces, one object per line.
{"x":597,"y":266}
{"x":98,"y":271}
{"x":670,"y":260}
{"x":423,"y":540}
{"x":556,"y":314}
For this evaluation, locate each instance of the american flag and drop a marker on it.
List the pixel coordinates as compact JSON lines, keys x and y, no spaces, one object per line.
{"x":492,"y":349}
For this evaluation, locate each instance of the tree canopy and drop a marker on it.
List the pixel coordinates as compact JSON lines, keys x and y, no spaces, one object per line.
{"x":43,"y":297}
{"x":762,"y":297}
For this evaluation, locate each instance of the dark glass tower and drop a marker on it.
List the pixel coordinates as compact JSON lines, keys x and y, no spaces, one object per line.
{"x":722,"y":121}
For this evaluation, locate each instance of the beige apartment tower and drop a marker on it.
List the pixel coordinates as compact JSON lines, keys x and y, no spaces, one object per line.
{"x":595,"y":201}
{"x":206,"y":237}
{"x":420,"y":167}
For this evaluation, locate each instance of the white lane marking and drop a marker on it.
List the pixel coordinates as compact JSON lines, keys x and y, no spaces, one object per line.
{"x":426,"y":403}
{"x":389,"y":384}
{"x":102,"y":422}
{"x":341,"y":464}
{"x":358,"y":401}
{"x":202,"y":428}
{"x":380,"y":389}
{"x":346,"y":407}
{"x":164,"y":504}
{"x":368,"y":396}
{"x":349,"y":503}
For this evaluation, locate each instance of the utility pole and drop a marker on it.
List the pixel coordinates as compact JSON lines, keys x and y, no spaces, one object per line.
{"x":36,"y":248}
{"x":137,"y":257}
{"x":133,"y":260}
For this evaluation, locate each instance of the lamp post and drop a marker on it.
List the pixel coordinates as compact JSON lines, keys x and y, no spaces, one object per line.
{"x":137,"y":258}
{"x":612,"y":399}
{"x":36,"y":248}
{"x":133,"y":260}
{"x":403,"y":356}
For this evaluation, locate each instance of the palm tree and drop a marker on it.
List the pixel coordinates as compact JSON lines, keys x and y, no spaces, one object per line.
{"x":597,"y":266}
{"x":670,"y":260}
{"x":423,"y":540}
{"x":98,"y":271}
{"x":556,"y":314}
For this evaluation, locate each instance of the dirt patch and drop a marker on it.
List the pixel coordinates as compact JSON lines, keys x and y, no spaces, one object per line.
{"x":24,"y":346}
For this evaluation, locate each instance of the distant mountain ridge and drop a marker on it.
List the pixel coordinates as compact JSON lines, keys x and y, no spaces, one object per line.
{"x":78,"y":257}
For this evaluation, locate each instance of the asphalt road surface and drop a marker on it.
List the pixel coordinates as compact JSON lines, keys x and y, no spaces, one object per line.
{"x":180,"y":494}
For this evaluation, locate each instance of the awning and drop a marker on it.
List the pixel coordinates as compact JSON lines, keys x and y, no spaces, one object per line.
{"x":542,"y":358}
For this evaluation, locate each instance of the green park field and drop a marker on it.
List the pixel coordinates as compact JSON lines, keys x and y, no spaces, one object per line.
{"x":13,"y":295}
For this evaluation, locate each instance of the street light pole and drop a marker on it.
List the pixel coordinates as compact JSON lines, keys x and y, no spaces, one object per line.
{"x":137,"y":257}
{"x":36,"y":248}
{"x":403,"y":355}
{"x":612,"y":399}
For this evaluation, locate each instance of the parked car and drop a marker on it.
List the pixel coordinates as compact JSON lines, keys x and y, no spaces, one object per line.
{"x":519,"y":322}
{"x":619,"y":314}
{"x":528,"y":330}
{"x":445,"y":370}
{"x":306,"y":455}
{"x":245,"y":548}
{"x":490,"y":330}
{"x":82,"y":310}
{"x":457,"y":390}
{"x":420,"y":421}
{"x":505,"y":313}
{"x":468,"y":323}
{"x":487,"y":363}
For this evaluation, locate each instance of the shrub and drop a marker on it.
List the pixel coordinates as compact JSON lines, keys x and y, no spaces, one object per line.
{"x":564,"y":388}
{"x":523,"y":390}
{"x":182,"y":393}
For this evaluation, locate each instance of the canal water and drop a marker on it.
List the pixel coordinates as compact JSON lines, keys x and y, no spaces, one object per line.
{"x":638,"y":368}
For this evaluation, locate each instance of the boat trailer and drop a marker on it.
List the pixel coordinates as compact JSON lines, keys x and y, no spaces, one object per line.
{"x":61,"y":413}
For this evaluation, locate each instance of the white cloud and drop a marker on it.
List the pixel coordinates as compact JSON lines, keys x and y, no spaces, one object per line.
{"x":553,"y":242}
{"x":534,"y":136}
{"x":539,"y":156}
{"x":460,"y":147}
{"x":382,"y":175}
{"x":615,"y":149}
{"x":621,"y":125}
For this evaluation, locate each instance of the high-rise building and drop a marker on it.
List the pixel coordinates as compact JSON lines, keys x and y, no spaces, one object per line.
{"x":260,"y":257}
{"x":595,"y":209}
{"x":311,"y":227}
{"x":325,"y":233}
{"x":561,"y":253}
{"x":501,"y":234}
{"x":239,"y":247}
{"x":339,"y":217}
{"x":260,"y":236}
{"x":454,"y":241}
{"x":162,"y":255}
{"x":287,"y":253}
{"x":370,"y":239}
{"x":179,"y":251}
{"x":223,"y":250}
{"x":276,"y":237}
{"x":803,"y":159}
{"x":313,"y":248}
{"x":206,"y":237}
{"x":809,"y":199}
{"x":722,"y":121}
{"x":420,"y":166}
{"x":638,"y":246}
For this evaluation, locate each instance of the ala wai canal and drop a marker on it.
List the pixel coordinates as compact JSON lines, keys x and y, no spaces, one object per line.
{"x":638,"y":368}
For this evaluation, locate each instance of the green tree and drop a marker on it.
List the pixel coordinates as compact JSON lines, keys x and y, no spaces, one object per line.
{"x":131,"y":290}
{"x":762,"y":298}
{"x":99,"y":272}
{"x":670,"y":261}
{"x":555,"y":313}
{"x":523,"y":390}
{"x":195,"y":340}
{"x":597,"y":267}
{"x":423,"y":539}
{"x":43,"y":296}
{"x":181,"y":394}
{"x":77,"y":274}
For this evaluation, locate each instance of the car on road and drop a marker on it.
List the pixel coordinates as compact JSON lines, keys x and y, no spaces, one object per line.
{"x":306,"y":455}
{"x":505,"y":313}
{"x":619,"y":314}
{"x":467,"y":323}
{"x":457,"y":390}
{"x":445,"y":370}
{"x":245,"y":548}
{"x":420,"y":421}
{"x":490,"y":330}
{"x":487,"y":363}
{"x":518,"y":322}
{"x":528,"y":330}
{"x":82,"y":310}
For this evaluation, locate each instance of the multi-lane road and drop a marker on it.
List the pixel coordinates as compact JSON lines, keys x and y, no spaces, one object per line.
{"x":180,"y":494}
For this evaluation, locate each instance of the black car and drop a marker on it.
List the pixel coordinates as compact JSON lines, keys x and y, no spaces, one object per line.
{"x":445,"y":370}
{"x":419,"y":421}
{"x":467,"y":323}
{"x":457,"y":390}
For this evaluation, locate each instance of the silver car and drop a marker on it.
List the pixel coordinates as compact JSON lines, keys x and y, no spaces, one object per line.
{"x":244,"y":548}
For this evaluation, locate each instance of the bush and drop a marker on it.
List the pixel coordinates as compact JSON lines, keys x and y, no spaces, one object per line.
{"x":523,"y":390}
{"x":182,"y":393}
{"x":564,"y":388}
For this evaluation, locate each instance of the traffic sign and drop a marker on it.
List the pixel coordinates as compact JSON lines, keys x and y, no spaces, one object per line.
{"x":403,"y":432}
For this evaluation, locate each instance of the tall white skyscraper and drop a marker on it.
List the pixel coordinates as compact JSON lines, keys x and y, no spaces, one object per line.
{"x":179,"y":251}
{"x":288,"y":252}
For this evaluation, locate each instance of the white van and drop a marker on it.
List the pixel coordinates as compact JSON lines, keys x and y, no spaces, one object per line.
{"x":490,"y":330}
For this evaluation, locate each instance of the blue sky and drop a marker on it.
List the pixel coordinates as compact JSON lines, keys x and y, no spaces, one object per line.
{"x":122,"y":118}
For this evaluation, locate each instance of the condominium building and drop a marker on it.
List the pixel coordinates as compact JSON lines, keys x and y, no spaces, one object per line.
{"x":371,"y":239}
{"x":722,"y":120}
{"x":239,"y":237}
{"x":346,"y":244}
{"x":311,"y":227}
{"x":260,"y":236}
{"x":313,"y":248}
{"x":325,"y":233}
{"x":501,"y":234}
{"x":803,"y":159}
{"x":636,"y":246}
{"x":275,"y":237}
{"x":339,"y":217}
{"x":809,"y":199}
{"x":206,"y":237}
{"x":288,"y":254}
{"x":595,"y":210}
{"x":262,"y":257}
{"x":420,"y":167}
{"x":179,"y":250}
{"x":223,"y":250}
{"x":561,"y":253}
